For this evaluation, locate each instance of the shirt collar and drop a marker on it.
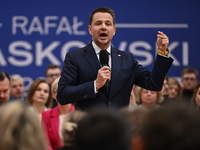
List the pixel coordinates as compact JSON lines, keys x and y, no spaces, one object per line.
{"x":97,"y":49}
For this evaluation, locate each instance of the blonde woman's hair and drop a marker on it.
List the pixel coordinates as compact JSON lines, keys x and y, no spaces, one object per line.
{"x":54,"y":85}
{"x":179,"y":93}
{"x":70,"y":125}
{"x":138,"y":91}
{"x":20,"y":129}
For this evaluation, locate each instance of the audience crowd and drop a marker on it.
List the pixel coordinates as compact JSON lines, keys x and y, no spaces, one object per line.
{"x":167,"y":119}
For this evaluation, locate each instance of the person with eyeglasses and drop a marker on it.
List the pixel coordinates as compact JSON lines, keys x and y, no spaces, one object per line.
{"x":52,"y":72}
{"x":189,"y":81}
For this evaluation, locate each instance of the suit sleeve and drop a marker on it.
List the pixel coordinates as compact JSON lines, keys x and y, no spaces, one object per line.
{"x":69,"y":88}
{"x":153,"y":80}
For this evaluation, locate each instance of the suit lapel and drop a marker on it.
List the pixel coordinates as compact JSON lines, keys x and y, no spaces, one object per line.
{"x":91,"y":58}
{"x":116,"y":64}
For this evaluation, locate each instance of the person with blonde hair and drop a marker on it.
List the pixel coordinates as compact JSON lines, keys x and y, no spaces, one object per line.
{"x":175,"y":92}
{"x":69,"y":127}
{"x":39,"y":96}
{"x":148,"y":99}
{"x":53,"y":118}
{"x":19,"y":128}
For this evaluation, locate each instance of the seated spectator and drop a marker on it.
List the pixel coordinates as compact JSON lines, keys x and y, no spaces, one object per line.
{"x":69,"y":127}
{"x":196,"y":98}
{"x":53,"y":118}
{"x":19,"y":128}
{"x":172,"y":128}
{"x":16,"y":87}
{"x":175,"y":92}
{"x":4,"y":87}
{"x":189,"y":81}
{"x":39,"y":96}
{"x":133,"y":116}
{"x":148,"y":99}
{"x":52,"y":72}
{"x":165,"y":92}
{"x":102,"y":130}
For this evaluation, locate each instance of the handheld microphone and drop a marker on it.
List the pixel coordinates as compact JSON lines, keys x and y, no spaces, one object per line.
{"x":104,"y":58}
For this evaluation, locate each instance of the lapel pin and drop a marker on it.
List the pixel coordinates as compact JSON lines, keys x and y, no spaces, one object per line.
{"x":119,"y":55}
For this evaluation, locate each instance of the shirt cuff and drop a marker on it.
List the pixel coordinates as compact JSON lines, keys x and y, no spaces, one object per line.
{"x":95,"y":91}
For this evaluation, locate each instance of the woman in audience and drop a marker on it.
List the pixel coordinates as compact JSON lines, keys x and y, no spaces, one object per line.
{"x":196,"y":98}
{"x":69,"y":127}
{"x":148,"y":99}
{"x":39,"y":96}
{"x":20,"y":129}
{"x":52,"y":119}
{"x":174,"y":89}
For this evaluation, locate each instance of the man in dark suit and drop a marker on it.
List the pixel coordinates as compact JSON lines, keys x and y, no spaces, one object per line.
{"x":83,"y":78}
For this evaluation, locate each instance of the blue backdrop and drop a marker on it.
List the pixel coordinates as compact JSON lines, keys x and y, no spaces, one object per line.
{"x":36,"y":33}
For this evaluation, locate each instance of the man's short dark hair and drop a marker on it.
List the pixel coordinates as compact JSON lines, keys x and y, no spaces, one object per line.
{"x":51,"y":66}
{"x":3,"y":75}
{"x":189,"y":70}
{"x":103,"y":130}
{"x":104,"y":10}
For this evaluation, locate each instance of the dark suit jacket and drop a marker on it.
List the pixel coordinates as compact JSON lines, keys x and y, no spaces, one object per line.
{"x":80,"y":69}
{"x":50,"y":120}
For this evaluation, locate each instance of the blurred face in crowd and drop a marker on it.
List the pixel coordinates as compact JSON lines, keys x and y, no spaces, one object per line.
{"x":197,"y":97}
{"x":52,"y":74}
{"x":173,"y":91}
{"x":4,"y":90}
{"x":41,"y":94}
{"x":189,"y":81}
{"x":102,"y":29}
{"x":165,"y":88}
{"x":17,"y":88}
{"x":148,"y":97}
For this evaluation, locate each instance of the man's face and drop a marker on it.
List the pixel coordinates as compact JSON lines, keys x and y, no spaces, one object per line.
{"x":17,"y":88}
{"x":102,"y":29}
{"x":189,"y":81}
{"x":52,"y":74}
{"x":4,"y":90}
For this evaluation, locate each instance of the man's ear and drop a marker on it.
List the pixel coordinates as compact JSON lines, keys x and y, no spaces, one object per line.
{"x":114,"y":30}
{"x":89,"y":29}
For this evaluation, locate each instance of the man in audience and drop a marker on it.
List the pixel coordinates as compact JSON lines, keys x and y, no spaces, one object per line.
{"x":16,"y":87}
{"x":189,"y":80}
{"x":4,"y":87}
{"x":52,"y":72}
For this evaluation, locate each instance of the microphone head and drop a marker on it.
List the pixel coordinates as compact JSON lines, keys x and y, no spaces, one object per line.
{"x":103,"y":57}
